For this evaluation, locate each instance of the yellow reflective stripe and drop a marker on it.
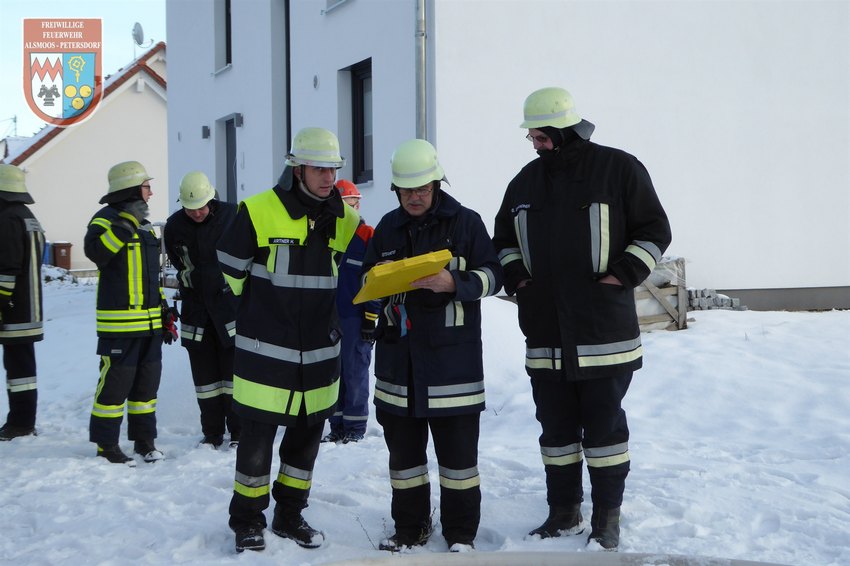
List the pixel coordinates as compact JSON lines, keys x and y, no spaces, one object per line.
{"x":565,"y":460}
{"x":134,"y":314}
{"x":604,"y":461}
{"x":611,"y":359}
{"x":604,"y":237}
{"x":108,"y":411}
{"x":236,"y":283}
{"x":141,"y":407}
{"x":409,"y":483}
{"x":23,"y":333}
{"x":460,"y":484}
{"x":295,"y":405}
{"x":371,"y":316}
{"x":543,"y":363}
{"x":102,"y":222}
{"x":143,"y":325}
{"x":295,"y":483}
{"x":252,"y":492}
{"x":323,"y":398}
{"x":110,"y":241}
{"x":642,"y":255}
{"x":450,"y":402}
{"x":134,"y":271}
{"x":257,"y":395}
{"x":390,"y":399}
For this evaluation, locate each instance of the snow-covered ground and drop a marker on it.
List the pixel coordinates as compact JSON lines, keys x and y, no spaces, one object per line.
{"x":740,"y":449}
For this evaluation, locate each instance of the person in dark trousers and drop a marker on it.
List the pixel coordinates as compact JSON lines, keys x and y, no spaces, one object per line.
{"x":348,"y":423}
{"x":21,"y":318}
{"x":208,"y":317}
{"x":428,"y":357}
{"x":132,"y":316}
{"x":280,"y":256}
{"x":579,"y":228}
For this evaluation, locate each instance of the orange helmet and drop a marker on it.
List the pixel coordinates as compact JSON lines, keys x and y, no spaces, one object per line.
{"x":347,"y":189}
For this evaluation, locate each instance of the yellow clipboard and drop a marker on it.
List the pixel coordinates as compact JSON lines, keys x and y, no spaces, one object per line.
{"x":395,"y":277}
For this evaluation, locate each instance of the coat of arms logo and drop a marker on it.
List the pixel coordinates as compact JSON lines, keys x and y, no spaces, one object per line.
{"x":63,"y":81}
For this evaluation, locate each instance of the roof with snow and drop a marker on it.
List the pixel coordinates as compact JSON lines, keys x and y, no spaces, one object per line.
{"x":18,"y":149}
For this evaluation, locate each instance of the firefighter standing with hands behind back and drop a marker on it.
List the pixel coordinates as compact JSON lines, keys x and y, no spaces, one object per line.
{"x":208,"y":320}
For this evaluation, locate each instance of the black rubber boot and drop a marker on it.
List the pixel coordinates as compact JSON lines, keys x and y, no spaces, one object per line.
{"x":605,"y":528}
{"x":293,"y":526}
{"x":250,"y":539}
{"x":561,"y":521}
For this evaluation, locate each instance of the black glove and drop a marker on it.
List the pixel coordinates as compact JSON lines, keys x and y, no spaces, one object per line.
{"x":367,"y":329}
{"x":169,"y":326}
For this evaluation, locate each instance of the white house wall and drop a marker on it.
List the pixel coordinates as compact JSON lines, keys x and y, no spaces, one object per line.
{"x":254,"y":86}
{"x":738,"y":109}
{"x":68,"y":176}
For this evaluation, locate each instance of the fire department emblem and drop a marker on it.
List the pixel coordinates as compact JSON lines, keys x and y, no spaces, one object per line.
{"x":63,"y":81}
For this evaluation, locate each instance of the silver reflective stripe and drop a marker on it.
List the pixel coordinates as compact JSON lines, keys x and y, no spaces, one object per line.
{"x":7,"y":279}
{"x":409,"y":473}
{"x":459,"y":474}
{"x":20,"y":384}
{"x":509,"y":255}
{"x":606,"y":456}
{"x":296,"y":473}
{"x":294,"y":281}
{"x":234,"y":262}
{"x":521,"y":229}
{"x":190,"y":332}
{"x":543,"y":358}
{"x":252,"y":481}
{"x":611,"y":348}
{"x":34,"y":280}
{"x":353,"y":419}
{"x":459,"y":389}
{"x":186,"y":272}
{"x":286,"y":354}
{"x":230,"y":327}
{"x":561,"y":455}
{"x":488,"y":281}
{"x":391,"y":387}
{"x":210,"y":391}
{"x":454,"y":314}
{"x":353,"y":261}
{"x":599,"y":236}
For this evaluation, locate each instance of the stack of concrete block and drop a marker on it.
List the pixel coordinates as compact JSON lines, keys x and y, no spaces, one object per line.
{"x":707,"y":299}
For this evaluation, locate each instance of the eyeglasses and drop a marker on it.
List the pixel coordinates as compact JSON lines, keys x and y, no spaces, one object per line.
{"x":539,"y":139}
{"x":420,"y":191}
{"x":146,"y":186}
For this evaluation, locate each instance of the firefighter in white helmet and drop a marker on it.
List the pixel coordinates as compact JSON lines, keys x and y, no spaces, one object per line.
{"x":429,"y":372}
{"x":279,"y":255}
{"x":21,"y":318}
{"x":132,"y":316}
{"x":208,"y":313}
{"x":579,"y":228}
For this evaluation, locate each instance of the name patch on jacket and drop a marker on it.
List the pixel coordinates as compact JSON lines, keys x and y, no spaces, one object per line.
{"x":284,"y":241}
{"x":519,"y":207}
{"x":390,"y":253}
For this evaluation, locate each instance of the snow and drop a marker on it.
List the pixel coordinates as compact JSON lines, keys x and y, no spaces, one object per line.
{"x":740,"y":449}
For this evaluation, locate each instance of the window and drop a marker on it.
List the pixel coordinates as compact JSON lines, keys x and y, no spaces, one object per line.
{"x":361,"y":116}
{"x":222,"y":34}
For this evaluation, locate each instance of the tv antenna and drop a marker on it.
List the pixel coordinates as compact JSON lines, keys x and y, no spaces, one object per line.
{"x":139,"y":38}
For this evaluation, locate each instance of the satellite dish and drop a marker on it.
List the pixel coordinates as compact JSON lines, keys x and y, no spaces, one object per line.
{"x":138,"y":34}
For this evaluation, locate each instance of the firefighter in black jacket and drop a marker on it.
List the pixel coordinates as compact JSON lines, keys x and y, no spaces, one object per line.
{"x":428,"y":358}
{"x":280,"y":255}
{"x":132,"y":316}
{"x":21,"y":320}
{"x":579,"y":228}
{"x":208,"y":317}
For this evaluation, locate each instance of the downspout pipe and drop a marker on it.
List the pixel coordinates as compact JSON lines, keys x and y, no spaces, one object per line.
{"x":421,"y":73}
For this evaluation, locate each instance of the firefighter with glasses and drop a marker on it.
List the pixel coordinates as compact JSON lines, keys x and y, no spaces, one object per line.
{"x":428,"y":354}
{"x":280,"y":256}
{"x":579,"y":228}
{"x":133,"y":318}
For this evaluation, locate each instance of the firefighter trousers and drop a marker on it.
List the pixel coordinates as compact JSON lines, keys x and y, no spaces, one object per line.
{"x":352,"y":408}
{"x":456,"y":447}
{"x":19,"y":362}
{"x":583,"y":420}
{"x":291,"y":487}
{"x":130,"y":370}
{"x":212,"y":374}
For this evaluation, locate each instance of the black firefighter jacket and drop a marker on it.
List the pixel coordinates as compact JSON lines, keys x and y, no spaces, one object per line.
{"x":279,"y":255}
{"x":21,"y":251}
{"x":567,"y":220}
{"x":428,"y":351}
{"x":207,"y":300}
{"x":129,"y":296}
